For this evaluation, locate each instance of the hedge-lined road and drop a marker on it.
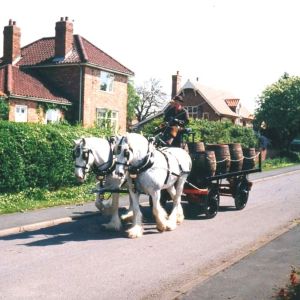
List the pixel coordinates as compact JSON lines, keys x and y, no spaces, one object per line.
{"x":79,"y":261}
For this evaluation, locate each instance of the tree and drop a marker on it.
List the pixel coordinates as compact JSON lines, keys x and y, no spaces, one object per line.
{"x":279,"y":111}
{"x":152,"y":99}
{"x":132,"y":102}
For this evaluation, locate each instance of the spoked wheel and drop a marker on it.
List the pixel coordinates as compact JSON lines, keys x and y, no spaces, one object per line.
{"x":213,"y":200}
{"x":241,"y":194}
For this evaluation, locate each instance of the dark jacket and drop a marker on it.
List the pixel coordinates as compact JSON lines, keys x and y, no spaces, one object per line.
{"x":176,"y":117}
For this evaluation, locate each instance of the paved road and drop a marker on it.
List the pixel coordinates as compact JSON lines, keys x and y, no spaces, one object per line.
{"x":78,"y":260}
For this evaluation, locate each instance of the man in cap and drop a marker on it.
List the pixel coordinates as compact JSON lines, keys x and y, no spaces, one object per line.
{"x":176,"y":117}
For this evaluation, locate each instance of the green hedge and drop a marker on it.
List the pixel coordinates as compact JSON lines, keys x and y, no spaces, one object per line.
{"x":35,"y":155}
{"x":214,"y":132}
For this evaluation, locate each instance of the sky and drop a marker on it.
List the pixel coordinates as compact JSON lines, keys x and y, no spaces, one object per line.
{"x":240,"y":46}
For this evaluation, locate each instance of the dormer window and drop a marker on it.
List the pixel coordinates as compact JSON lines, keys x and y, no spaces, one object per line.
{"x":106,"y":81}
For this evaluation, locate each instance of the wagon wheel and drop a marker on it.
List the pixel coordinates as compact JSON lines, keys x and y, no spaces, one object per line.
{"x":213,"y":200}
{"x":241,"y":194}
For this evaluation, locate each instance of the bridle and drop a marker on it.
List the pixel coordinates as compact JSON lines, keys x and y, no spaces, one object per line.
{"x":101,"y":170}
{"x":146,"y":163}
{"x":85,"y":155}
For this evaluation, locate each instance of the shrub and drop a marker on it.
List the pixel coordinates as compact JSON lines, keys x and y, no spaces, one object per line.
{"x":35,"y":155}
{"x":213,"y":132}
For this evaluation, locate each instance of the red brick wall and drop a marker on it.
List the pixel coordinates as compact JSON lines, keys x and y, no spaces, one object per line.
{"x":95,"y":98}
{"x":34,"y":115}
{"x":67,"y":80}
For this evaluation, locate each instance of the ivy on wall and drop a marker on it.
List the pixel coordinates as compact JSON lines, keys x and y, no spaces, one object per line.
{"x":4,"y":108}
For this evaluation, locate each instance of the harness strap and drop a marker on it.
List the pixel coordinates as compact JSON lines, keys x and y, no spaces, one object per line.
{"x":168,"y":165}
{"x":146,"y":164}
{"x":107,"y":167}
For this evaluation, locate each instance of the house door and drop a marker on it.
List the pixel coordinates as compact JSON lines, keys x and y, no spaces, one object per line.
{"x":21,"y":113}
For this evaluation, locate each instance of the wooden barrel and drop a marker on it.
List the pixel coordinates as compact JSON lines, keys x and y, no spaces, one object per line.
{"x":236,"y":154}
{"x":222,"y":154}
{"x":249,"y":158}
{"x":196,"y":147}
{"x":204,"y":165}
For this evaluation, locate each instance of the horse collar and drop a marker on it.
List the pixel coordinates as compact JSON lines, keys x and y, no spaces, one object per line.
{"x":107,"y":167}
{"x":146,"y":164}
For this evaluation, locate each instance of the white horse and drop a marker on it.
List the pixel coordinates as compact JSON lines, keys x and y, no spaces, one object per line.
{"x":149,"y":170}
{"x":95,"y":154}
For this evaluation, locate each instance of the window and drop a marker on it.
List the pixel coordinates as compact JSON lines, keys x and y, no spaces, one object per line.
{"x":106,"y":81}
{"x":107,"y":119}
{"x":206,"y":116}
{"x":193,"y":111}
{"x":21,"y":113}
{"x":53,"y":116}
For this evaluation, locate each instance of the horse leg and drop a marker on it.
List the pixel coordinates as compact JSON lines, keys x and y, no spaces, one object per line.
{"x":137,"y":229}
{"x":127,"y":217}
{"x":176,"y":216}
{"x":115,"y":221}
{"x":158,"y":212}
{"x":98,"y":202}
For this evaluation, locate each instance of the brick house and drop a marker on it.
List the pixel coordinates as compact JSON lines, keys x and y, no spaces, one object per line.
{"x":204,"y":102}
{"x":64,"y":76}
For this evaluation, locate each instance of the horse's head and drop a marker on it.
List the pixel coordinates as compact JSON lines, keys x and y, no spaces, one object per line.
{"x":84,"y":159}
{"x":129,"y":150}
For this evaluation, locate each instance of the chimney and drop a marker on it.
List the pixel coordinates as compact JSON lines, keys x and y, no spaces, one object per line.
{"x":176,"y":82}
{"x":63,"y":37}
{"x":11,"y":42}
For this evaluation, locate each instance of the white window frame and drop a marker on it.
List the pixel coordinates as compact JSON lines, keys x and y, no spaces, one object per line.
{"x":23,"y":115}
{"x":106,"y":81}
{"x":193,"y":111}
{"x":107,"y":119}
{"x":53,"y":116}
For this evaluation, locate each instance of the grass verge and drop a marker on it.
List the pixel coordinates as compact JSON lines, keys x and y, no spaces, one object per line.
{"x":35,"y":198}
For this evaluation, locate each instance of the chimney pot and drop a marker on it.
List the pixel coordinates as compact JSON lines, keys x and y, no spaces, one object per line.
{"x":61,"y":19}
{"x":63,"y":37}
{"x":67,"y":18}
{"x":176,"y":82}
{"x":11,"y":42}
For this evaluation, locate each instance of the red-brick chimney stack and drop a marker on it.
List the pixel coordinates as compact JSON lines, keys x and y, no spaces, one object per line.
{"x":176,"y":82}
{"x":11,"y":42}
{"x":63,"y":37}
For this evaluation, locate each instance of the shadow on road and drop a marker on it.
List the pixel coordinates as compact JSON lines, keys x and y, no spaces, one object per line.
{"x":81,"y":229}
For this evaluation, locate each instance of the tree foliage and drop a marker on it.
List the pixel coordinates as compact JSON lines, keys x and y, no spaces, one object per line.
{"x":212,"y":132}
{"x":152,"y":98}
{"x":279,"y":110}
{"x":4,"y":109}
{"x":132,"y":102}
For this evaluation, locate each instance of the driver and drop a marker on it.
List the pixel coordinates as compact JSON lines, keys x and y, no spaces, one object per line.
{"x":176,"y":118}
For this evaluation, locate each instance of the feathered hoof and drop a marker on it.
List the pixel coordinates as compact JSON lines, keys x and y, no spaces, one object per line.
{"x":135,"y":232}
{"x":112,"y":226}
{"x":179,"y":219}
{"x":161,"y":227}
{"x":171,"y":226}
{"x":128,"y":217}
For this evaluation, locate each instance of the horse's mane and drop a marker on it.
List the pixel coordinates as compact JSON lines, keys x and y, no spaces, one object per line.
{"x":138,"y":143}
